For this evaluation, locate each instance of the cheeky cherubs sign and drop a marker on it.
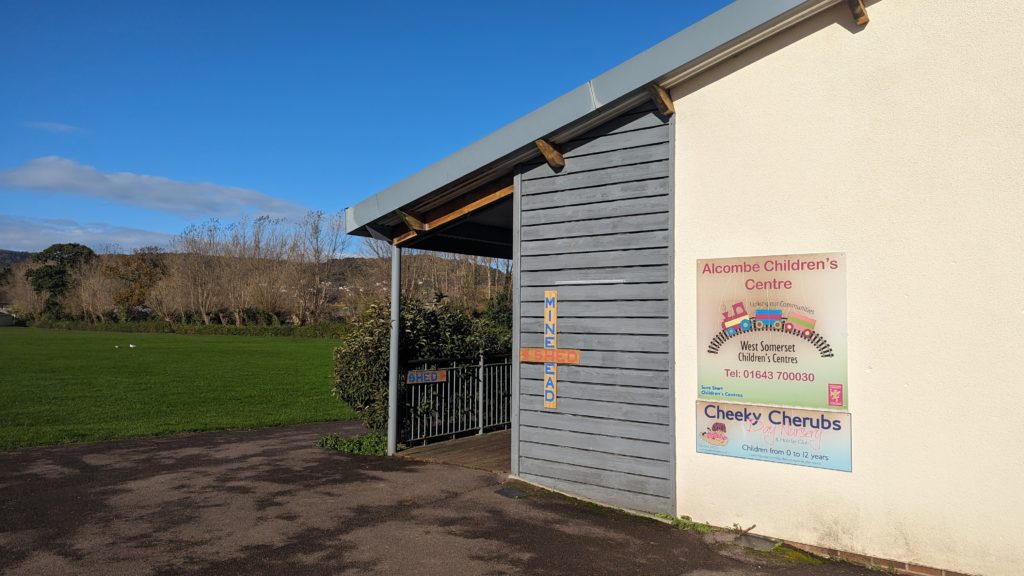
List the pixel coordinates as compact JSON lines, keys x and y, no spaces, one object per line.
{"x":550,"y":355}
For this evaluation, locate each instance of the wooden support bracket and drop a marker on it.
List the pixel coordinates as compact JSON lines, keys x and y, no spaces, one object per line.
{"x":551,"y":154}
{"x":377,"y":234}
{"x":411,"y":221}
{"x":860,"y":14}
{"x":661,"y":99}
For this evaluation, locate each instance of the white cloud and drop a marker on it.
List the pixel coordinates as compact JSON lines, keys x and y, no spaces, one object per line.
{"x":55,"y":127}
{"x":34,"y":234}
{"x":53,"y":174}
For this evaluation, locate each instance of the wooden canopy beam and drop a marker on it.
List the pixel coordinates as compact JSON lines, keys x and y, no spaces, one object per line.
{"x":661,"y":99}
{"x":453,"y":212}
{"x":860,"y":13}
{"x":551,"y":154}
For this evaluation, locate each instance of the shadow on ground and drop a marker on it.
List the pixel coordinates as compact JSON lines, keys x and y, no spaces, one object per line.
{"x":270,"y":502}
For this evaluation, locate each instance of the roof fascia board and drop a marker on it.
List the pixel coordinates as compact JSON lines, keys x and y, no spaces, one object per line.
{"x":687,"y":52}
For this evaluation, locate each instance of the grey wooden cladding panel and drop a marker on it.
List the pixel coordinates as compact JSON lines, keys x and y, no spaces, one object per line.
{"x":601,"y":393}
{"x":596,"y":476}
{"x":615,"y":208}
{"x":614,"y":410}
{"x":617,"y":309}
{"x":598,"y":292}
{"x":618,"y":141}
{"x":597,"y":375}
{"x":637,"y":119}
{"x":614,"y":462}
{"x":600,"y":325}
{"x":619,"y":342}
{"x":599,"y":232}
{"x":620,"y":191}
{"x":610,"y":225}
{"x":642,"y":257}
{"x":597,"y":442}
{"x":612,"y":497}
{"x":602,"y":161}
{"x":618,"y":275}
{"x":647,"y":171}
{"x":656,"y":239}
{"x":590,"y":425}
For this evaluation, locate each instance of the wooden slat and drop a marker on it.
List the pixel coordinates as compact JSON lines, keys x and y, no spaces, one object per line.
{"x":643,"y":257}
{"x":628,"y":500}
{"x":550,"y":278}
{"x":638,"y":119}
{"x":642,"y":137}
{"x":619,"y":309}
{"x":611,"y":445}
{"x":611,"y":342}
{"x":600,"y":292}
{"x":554,"y":420}
{"x":602,"y":375}
{"x":584,"y":391}
{"x":568,"y":405}
{"x":612,"y":225}
{"x":655,"y":239}
{"x":600,"y":325}
{"x":650,"y":170}
{"x":602,"y":161}
{"x":596,"y":476}
{"x":613,"y":209}
{"x":621,"y":191}
{"x":614,"y":462}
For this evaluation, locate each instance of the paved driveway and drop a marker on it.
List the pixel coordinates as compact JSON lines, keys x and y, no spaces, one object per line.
{"x":270,"y":502}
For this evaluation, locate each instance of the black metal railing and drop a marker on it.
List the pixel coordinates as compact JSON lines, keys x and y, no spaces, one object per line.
{"x":474,"y":397}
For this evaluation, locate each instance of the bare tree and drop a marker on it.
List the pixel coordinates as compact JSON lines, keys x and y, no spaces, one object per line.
{"x":318,"y":242}
{"x":94,"y":290}
{"x":200,"y":276}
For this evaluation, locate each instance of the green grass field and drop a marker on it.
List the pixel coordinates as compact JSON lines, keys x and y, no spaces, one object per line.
{"x":60,"y":386}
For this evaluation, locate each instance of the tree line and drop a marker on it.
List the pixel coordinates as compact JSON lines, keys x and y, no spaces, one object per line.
{"x":260,"y":271}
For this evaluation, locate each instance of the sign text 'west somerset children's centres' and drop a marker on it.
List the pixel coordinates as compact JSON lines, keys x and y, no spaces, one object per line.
{"x":772,"y":333}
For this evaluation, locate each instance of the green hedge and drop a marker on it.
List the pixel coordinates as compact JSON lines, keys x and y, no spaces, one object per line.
{"x":333,"y":331}
{"x":437,"y":330}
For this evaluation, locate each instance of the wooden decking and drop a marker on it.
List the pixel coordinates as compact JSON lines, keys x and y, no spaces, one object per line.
{"x":491,"y":452}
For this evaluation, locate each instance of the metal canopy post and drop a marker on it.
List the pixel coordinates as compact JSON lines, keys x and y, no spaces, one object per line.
{"x":396,"y":305}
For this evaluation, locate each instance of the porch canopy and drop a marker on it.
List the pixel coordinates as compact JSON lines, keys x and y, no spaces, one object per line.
{"x":464,"y":204}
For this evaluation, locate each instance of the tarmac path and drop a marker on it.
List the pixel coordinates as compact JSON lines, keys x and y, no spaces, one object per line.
{"x":270,"y":502}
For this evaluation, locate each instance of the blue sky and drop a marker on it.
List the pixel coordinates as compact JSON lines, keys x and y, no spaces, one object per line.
{"x":123,"y":122}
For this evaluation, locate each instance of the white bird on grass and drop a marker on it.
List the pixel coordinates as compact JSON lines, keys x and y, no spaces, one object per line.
{"x":116,"y":346}
{"x":131,"y":345}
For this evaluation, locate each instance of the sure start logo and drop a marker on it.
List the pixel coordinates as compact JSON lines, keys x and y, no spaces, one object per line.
{"x":716,"y":435}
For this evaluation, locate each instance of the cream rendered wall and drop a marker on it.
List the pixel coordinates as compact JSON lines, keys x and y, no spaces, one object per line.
{"x":902,"y":145}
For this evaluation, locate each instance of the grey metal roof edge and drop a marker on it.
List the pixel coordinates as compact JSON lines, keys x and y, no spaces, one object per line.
{"x":700,"y":42}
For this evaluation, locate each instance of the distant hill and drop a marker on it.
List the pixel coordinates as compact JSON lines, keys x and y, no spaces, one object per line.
{"x":10,"y":257}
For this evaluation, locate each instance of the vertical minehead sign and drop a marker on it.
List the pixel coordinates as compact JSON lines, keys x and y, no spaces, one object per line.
{"x":550,"y":343}
{"x":550,"y":355}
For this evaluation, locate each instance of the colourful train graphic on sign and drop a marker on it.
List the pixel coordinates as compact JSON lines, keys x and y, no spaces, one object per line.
{"x":738,"y":320}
